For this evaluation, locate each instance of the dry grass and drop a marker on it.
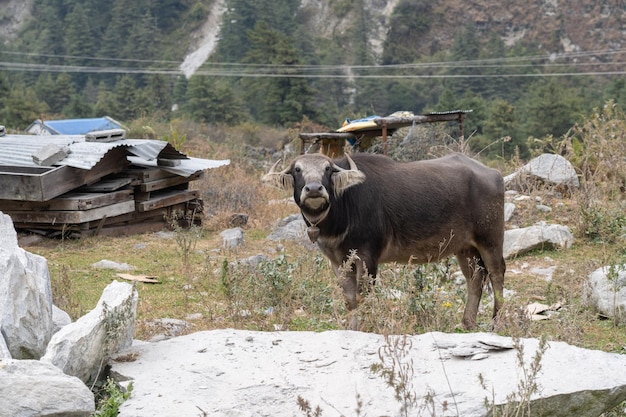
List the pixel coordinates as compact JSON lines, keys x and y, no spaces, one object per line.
{"x":294,"y":287}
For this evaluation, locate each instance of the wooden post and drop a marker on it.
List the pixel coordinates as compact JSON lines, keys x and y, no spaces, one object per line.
{"x":384,"y":125}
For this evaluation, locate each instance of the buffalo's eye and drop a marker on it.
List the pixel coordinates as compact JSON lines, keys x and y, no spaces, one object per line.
{"x":328,"y":168}
{"x":297,"y":170}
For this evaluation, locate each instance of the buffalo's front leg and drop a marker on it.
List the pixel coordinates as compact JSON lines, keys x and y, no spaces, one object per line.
{"x":349,"y":284}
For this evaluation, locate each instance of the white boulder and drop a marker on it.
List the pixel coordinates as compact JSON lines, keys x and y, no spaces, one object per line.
{"x":549,"y":168}
{"x":540,"y":235}
{"x":605,"y":290}
{"x":31,"y":388}
{"x":81,"y":348}
{"x":25,"y":297}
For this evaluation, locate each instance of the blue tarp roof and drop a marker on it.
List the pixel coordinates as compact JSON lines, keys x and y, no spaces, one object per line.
{"x":79,"y":126}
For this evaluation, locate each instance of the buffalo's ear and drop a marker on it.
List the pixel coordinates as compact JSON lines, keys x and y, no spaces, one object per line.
{"x":282,"y":179}
{"x":344,"y":179}
{"x":279,"y":180}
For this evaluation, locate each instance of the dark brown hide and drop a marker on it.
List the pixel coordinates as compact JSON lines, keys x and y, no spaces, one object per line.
{"x":395,"y":212}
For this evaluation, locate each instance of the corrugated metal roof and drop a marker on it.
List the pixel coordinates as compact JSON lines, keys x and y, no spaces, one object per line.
{"x":18,"y":150}
{"x":75,"y":126}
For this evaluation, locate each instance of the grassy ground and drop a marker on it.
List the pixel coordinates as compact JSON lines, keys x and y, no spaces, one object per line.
{"x":294,"y":287}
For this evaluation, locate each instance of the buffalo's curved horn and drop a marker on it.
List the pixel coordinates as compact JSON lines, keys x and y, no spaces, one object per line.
{"x":273,"y":168}
{"x":346,"y":178}
{"x":280,"y":179}
{"x":352,"y":164}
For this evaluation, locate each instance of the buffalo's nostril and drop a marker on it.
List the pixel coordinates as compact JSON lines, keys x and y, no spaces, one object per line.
{"x":314,"y":189}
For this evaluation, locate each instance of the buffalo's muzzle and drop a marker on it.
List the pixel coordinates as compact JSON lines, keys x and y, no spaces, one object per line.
{"x":314,"y":196}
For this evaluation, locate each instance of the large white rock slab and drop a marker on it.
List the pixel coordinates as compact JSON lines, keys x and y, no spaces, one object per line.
{"x":81,"y":348}
{"x":31,"y":388}
{"x":25,"y":296}
{"x":246,"y":373}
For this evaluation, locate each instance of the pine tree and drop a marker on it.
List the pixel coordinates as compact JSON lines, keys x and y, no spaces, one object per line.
{"x":125,"y":93}
{"x":106,"y":104}
{"x":275,"y":100}
{"x":21,"y":107}
{"x":78,"y":37}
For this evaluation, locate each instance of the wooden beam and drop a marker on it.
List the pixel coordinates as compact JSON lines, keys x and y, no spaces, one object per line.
{"x":80,"y":216}
{"x":70,"y":201}
{"x":166,"y":199}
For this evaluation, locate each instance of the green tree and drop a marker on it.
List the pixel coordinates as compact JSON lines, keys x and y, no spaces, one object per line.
{"x":501,"y":136}
{"x":78,"y":38}
{"x":465,"y":49}
{"x":46,"y":30}
{"x":179,"y":94}
{"x":276,"y":100}
{"x":410,"y":20}
{"x":21,"y":107}
{"x":156,"y":96}
{"x":106,"y":103}
{"x":616,"y":91}
{"x":143,"y":39}
{"x":78,"y":107}
{"x":549,"y":107}
{"x":241,"y":16}
{"x":125,"y":93}
{"x":55,"y":92}
{"x":212,"y":101}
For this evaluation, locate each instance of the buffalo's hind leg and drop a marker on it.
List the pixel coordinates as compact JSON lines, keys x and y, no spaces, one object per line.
{"x":475,"y":274}
{"x":496,"y":268}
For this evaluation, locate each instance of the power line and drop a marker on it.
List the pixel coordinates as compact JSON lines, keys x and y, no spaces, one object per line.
{"x":397,"y":71}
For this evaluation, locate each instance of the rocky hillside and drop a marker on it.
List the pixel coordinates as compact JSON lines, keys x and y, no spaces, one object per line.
{"x":13,"y":14}
{"x":555,"y":26}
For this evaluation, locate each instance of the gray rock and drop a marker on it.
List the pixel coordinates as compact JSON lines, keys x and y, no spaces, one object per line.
{"x":232,"y":238}
{"x":549,"y":168}
{"x":106,"y":264}
{"x":250,"y":262}
{"x":167,"y":328}
{"x":60,"y":319}
{"x":25,"y":297}
{"x":80,"y":348}
{"x":4,"y":350}
{"x":541,"y":235}
{"x":605,"y":290}
{"x":289,"y":228}
{"x":34,"y":389}
{"x":246,"y":373}
{"x":509,"y":209}
{"x":543,"y":208}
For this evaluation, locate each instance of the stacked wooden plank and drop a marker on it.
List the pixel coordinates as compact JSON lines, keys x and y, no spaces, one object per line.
{"x":113,"y":198}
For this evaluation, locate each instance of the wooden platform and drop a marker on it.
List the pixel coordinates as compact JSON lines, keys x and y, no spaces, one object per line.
{"x":332,"y":143}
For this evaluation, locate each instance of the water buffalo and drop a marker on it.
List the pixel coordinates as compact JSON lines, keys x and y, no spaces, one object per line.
{"x":390,"y":211}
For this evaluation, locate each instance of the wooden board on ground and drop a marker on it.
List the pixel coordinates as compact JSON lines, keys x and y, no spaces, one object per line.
{"x":149,"y":279}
